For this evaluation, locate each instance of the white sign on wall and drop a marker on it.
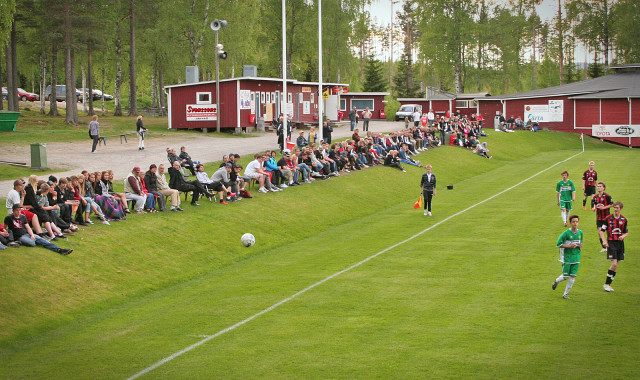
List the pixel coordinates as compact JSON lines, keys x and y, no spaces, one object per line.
{"x":245,"y":99}
{"x":615,"y":130}
{"x":306,"y":107}
{"x":544,"y":113}
{"x":201,"y":112}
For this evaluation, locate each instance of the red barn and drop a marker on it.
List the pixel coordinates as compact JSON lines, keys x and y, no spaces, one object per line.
{"x":242,"y":101}
{"x":607,"y":107}
{"x":442,"y":101}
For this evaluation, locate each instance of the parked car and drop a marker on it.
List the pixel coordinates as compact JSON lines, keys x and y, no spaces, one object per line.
{"x":5,"y":93}
{"x":408,"y":110}
{"x":97,"y":94}
{"x":61,"y":93}
{"x":25,"y":95}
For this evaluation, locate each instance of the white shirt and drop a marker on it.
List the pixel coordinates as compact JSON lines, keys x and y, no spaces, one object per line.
{"x":430,"y":116}
{"x":12,"y":198}
{"x":416,"y":116}
{"x":203,"y":177}
{"x":252,"y":167}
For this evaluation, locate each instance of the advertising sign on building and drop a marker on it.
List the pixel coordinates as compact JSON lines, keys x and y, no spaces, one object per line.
{"x":201,"y":112}
{"x":245,"y":99}
{"x":545,"y":113}
{"x":615,"y":130}
{"x":306,"y":107}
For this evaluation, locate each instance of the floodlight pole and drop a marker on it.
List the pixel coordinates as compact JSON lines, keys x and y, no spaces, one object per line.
{"x":217,"y":86}
{"x":320,"y":95}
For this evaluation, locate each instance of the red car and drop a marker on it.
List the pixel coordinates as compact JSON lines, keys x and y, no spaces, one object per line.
{"x":30,"y":96}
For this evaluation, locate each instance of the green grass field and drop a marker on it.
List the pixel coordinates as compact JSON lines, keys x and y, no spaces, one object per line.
{"x":469,"y":298}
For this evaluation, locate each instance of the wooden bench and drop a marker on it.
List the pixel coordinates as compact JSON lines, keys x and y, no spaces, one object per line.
{"x":103,"y":139}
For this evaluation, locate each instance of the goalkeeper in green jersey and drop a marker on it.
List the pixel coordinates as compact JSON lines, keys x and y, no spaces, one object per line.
{"x":570,"y":243}
{"x":566,"y":194}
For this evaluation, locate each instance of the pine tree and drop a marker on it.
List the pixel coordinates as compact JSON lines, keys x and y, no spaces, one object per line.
{"x":404,"y":86}
{"x":374,"y":80}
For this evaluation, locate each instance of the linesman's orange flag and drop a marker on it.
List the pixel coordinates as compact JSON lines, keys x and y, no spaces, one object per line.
{"x":418,"y":203}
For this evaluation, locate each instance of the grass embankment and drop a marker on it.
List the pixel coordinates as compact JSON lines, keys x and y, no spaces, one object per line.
{"x":459,"y":300}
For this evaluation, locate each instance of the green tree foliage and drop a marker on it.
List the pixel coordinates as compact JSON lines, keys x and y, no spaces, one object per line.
{"x":374,"y":79}
{"x":592,"y":23}
{"x":404,"y":85}
{"x":627,"y":31}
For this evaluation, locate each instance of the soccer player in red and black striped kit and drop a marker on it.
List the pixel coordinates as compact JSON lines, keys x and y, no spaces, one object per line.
{"x":617,"y":231}
{"x":589,"y":179}
{"x":601,"y":203}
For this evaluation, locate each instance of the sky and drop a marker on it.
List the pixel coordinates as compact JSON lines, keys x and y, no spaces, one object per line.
{"x":381,"y":15}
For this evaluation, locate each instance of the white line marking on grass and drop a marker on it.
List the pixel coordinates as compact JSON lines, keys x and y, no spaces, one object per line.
{"x":243,"y":322}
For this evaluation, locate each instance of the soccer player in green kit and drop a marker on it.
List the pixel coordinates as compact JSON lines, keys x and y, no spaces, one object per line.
{"x":570,"y":243}
{"x":566,"y":194}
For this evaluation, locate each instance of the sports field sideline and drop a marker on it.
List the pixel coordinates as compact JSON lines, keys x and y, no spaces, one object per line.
{"x":471,"y":297}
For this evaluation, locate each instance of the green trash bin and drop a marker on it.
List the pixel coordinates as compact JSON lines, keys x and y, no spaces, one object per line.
{"x":39,"y":156}
{"x":8,"y":120}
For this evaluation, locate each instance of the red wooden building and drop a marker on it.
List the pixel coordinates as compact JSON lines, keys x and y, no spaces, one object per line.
{"x":242,"y":101}
{"x":361,"y":100}
{"x":442,"y":101}
{"x":607,"y":107}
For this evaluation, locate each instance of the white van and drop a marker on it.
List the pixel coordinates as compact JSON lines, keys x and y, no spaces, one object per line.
{"x":408,"y":110}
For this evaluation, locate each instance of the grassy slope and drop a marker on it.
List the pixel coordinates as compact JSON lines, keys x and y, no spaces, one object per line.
{"x":423,"y":308}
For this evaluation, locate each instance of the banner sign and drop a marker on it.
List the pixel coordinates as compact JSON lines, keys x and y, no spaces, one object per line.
{"x":201,"y":112}
{"x":544,"y":113}
{"x":306,"y":89}
{"x":615,"y":130}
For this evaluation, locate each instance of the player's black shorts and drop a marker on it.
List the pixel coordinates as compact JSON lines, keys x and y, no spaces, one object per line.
{"x":600,"y":223}
{"x":589,"y":190}
{"x":615,"y":250}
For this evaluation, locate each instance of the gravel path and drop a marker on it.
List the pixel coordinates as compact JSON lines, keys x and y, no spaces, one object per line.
{"x":121,"y":158}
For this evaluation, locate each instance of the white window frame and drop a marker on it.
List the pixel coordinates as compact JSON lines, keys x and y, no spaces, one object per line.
{"x":289,"y":98}
{"x":198,"y":101}
{"x":262,"y":97}
{"x":343,"y":101}
{"x":473,"y":104}
{"x":373,"y":103}
{"x":462,"y":104}
{"x":273,"y":97}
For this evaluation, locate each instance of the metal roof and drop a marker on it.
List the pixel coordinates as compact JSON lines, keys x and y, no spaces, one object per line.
{"x":289,"y":80}
{"x":608,"y":86}
{"x":367,"y":93}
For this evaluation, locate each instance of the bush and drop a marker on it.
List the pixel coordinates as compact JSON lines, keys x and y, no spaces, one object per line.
{"x":391,"y":107}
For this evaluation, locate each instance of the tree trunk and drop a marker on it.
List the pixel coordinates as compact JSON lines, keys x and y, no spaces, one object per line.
{"x":14,"y":68}
{"x":84,"y":88}
{"x":154,"y":88}
{"x":133,"y":101}
{"x":163,"y":105}
{"x":43,"y":80}
{"x":74,"y":109}
{"x":1,"y":97}
{"x":560,"y":42}
{"x":118,"y":84}
{"x":53,"y":103}
{"x":102,"y":88}
{"x":90,"y":78}
{"x":10,"y":85}
{"x":70,"y":96}
{"x":534,"y":61}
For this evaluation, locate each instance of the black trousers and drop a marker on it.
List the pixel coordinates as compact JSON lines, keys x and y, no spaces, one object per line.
{"x":428,"y":196}
{"x":95,"y":142}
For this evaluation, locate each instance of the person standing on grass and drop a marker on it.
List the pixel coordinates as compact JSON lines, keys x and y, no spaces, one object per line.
{"x":566,"y":194}
{"x":428,"y":189}
{"x":589,"y":179}
{"x":141,"y":131}
{"x":353,"y":116}
{"x":94,"y":132}
{"x":601,"y":203}
{"x":570,"y":244}
{"x":617,"y":230}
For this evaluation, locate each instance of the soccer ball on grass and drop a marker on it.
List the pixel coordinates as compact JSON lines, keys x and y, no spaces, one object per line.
{"x":248,"y":240}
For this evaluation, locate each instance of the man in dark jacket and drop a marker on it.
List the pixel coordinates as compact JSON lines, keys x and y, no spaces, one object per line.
{"x":186,"y":161}
{"x":176,"y":181}
{"x":428,"y":189}
{"x":151,"y":181}
{"x":326,"y":131}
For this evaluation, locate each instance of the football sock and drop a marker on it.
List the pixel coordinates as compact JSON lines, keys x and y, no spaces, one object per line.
{"x":569,"y":285}
{"x":560,"y":279}
{"x":584,"y":202}
{"x":564,"y":216}
{"x":610,"y":275}
{"x":601,"y":242}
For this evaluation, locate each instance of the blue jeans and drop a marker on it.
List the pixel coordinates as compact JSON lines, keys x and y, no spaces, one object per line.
{"x":353,"y":124}
{"x":304,"y":169}
{"x":27,"y":241}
